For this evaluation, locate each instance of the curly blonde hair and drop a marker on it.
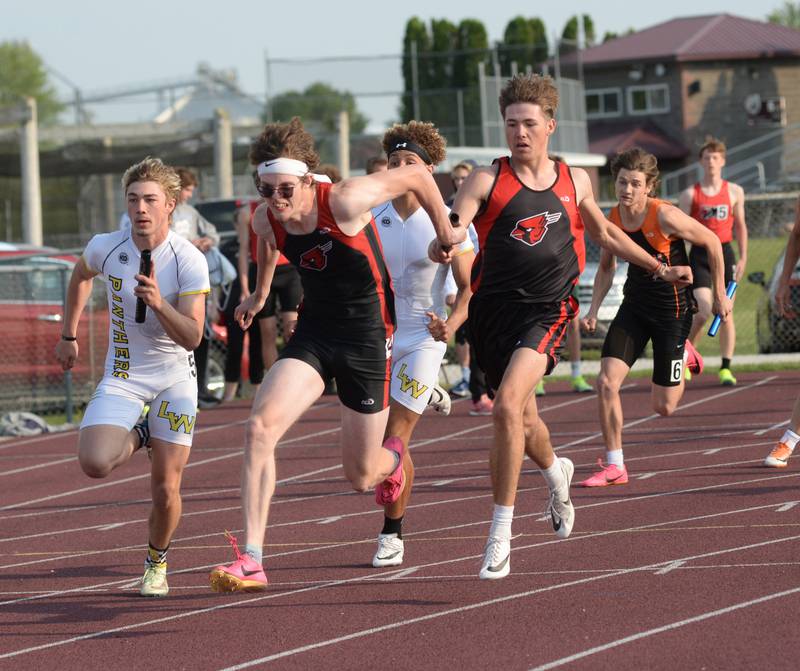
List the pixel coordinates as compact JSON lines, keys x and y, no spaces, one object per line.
{"x":289,"y":140}
{"x":153,"y":170}
{"x":530,"y":88}
{"x":425,"y":134}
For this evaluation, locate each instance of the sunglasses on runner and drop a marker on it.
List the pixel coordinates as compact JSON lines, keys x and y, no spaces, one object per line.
{"x":268,"y":191}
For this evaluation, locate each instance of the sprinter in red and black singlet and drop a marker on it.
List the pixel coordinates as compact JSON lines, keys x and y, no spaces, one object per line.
{"x":652,"y":310}
{"x":344,"y":327}
{"x":719,"y":205}
{"x":529,"y":212}
{"x":346,"y":320}
{"x":531,"y":252}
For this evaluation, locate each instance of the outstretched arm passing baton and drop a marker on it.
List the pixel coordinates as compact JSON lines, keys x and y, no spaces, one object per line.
{"x":729,"y":291}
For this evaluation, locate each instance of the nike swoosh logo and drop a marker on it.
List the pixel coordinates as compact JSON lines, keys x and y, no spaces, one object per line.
{"x":613,"y":479}
{"x":499,"y":567}
{"x":389,"y":556}
{"x":245,"y":572}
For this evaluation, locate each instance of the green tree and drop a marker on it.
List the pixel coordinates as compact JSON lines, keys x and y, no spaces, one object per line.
{"x":473,"y":42}
{"x":788,"y":15}
{"x":438,"y":105}
{"x":570,"y":32}
{"x":319,"y":102}
{"x":416,"y":33}
{"x":22,"y":73}
{"x":524,"y":43}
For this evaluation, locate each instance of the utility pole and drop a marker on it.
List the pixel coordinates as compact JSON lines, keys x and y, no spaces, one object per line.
{"x":31,"y":185}
{"x":223,"y":154}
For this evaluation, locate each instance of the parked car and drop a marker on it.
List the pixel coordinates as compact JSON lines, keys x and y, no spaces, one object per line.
{"x":773,"y":332}
{"x":33,"y":282}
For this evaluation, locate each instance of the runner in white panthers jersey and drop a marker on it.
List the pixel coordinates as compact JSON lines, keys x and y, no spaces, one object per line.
{"x":149,"y":362}
{"x":419,"y":290}
{"x":143,"y":362}
{"x":423,"y":327}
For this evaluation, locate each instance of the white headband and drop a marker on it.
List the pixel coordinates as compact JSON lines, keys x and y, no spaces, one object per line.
{"x":289,"y":166}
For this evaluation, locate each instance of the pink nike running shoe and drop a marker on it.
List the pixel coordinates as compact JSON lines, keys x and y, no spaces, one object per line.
{"x":389,"y":490}
{"x":607,"y":475}
{"x":243,"y":575}
{"x":694,"y":362}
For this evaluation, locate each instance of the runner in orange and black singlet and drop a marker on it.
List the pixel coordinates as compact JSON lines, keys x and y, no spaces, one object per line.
{"x":531,"y":253}
{"x":346,"y":319}
{"x":652,"y":309}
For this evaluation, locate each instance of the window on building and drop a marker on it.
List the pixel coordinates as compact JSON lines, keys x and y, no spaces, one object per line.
{"x":603,"y":103}
{"x":652,"y":99}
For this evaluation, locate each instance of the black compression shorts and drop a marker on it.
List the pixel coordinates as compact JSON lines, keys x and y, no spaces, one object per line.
{"x":497,"y":328}
{"x":360,"y":362}
{"x":698,"y":259}
{"x":632,"y":328}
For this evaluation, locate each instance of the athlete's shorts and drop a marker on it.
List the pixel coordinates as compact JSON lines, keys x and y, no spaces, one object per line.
{"x":462,"y":333}
{"x":701,"y":272}
{"x":172,"y":411}
{"x":497,"y":328}
{"x":416,"y":358}
{"x":630,"y":331}
{"x":360,"y":362}
{"x":285,"y":288}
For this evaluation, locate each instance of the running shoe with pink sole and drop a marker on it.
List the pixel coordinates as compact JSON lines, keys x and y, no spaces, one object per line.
{"x":694,"y":362}
{"x":388,"y":491}
{"x":607,"y":475}
{"x":243,"y":575}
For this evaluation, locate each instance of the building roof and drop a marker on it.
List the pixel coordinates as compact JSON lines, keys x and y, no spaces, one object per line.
{"x":699,"y":38}
{"x":609,"y":137}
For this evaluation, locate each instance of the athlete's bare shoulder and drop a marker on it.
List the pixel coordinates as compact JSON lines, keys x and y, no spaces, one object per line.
{"x":583,"y":185}
{"x":479,"y":182}
{"x":261,"y":223}
{"x":736,"y":192}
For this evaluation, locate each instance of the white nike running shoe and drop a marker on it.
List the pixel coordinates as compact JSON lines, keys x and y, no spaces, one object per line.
{"x":559,"y":506}
{"x":440,"y":400}
{"x":390,"y":551}
{"x":496,"y":559}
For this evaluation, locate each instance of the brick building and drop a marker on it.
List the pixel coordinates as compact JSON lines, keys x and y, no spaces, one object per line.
{"x":669,"y":86}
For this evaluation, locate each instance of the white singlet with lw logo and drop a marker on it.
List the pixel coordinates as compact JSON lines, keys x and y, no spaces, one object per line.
{"x":419,"y":287}
{"x":143,"y":354}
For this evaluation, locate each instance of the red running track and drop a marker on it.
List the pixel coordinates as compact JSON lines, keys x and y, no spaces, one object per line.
{"x":694,"y":564}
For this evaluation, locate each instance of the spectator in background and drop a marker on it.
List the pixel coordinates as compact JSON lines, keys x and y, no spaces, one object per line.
{"x":376,"y":164}
{"x":718,"y":205}
{"x":191,"y":225}
{"x":458,"y":174}
{"x":233,"y":356}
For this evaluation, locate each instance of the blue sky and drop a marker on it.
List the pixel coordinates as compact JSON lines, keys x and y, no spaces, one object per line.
{"x":97,"y":44}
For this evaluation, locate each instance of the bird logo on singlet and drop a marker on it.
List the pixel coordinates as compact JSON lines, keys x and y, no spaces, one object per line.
{"x":532,"y":230}
{"x":718,"y":212}
{"x":316,"y":258}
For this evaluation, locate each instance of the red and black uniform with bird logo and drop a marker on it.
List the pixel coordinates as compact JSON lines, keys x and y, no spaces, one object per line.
{"x":347,"y":319}
{"x":531,"y":253}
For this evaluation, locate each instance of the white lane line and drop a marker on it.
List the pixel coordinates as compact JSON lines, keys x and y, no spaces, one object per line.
{"x":771,"y":428}
{"x":684,"y":406}
{"x":367,"y":632}
{"x":191,"y":464}
{"x":787,"y":506}
{"x":667,"y":627}
{"x":671,"y":567}
{"x":37,"y":466}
